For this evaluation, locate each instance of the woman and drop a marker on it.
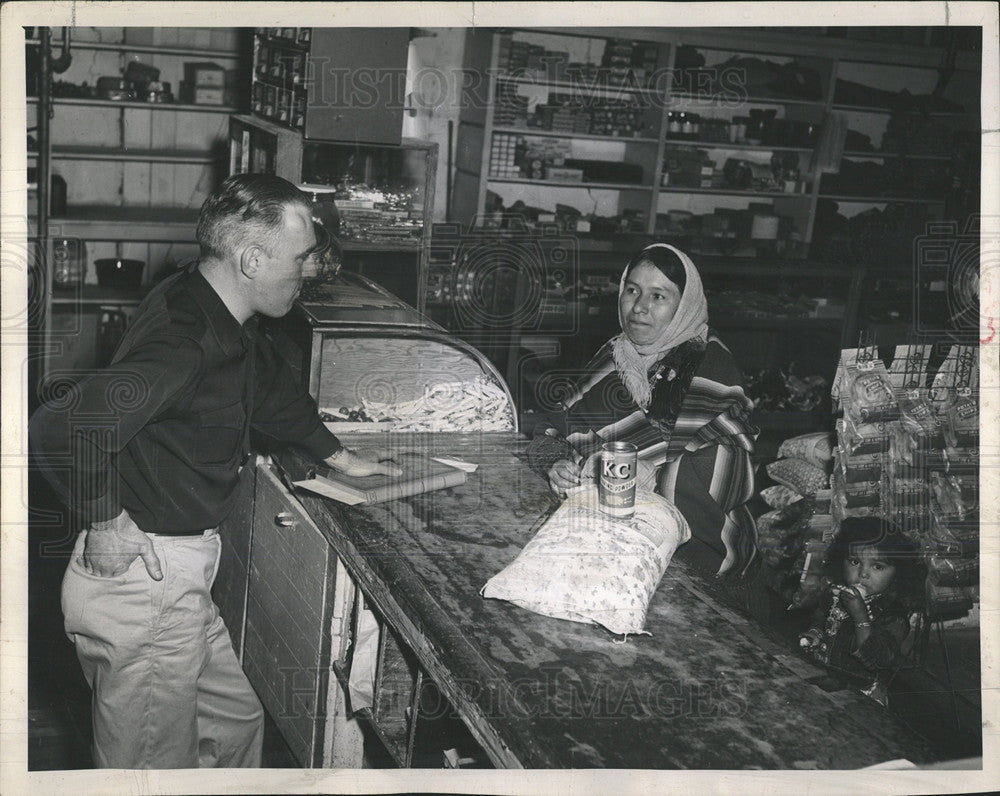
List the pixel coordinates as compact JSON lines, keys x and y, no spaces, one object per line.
{"x":669,"y":386}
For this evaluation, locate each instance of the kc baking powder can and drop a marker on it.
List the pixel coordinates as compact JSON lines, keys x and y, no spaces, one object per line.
{"x":616,"y":484}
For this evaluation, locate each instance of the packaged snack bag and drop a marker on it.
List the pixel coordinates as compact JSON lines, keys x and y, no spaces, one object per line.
{"x":815,"y":448}
{"x":869,"y":396}
{"x":856,"y":438}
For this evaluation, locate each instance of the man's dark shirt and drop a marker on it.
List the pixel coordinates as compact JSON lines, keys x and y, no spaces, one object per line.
{"x":163,"y":431}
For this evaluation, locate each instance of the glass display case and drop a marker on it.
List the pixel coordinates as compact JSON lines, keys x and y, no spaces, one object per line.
{"x":375,"y":364}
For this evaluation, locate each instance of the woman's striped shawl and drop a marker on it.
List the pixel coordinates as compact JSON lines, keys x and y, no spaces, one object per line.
{"x":712,"y":410}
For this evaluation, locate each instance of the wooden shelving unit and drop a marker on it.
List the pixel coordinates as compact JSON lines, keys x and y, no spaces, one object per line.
{"x":150,"y":49}
{"x":136,"y":155}
{"x":834,"y":63}
{"x":831,"y":62}
{"x":88,"y":102}
{"x":137,"y":171}
{"x":98,"y":223}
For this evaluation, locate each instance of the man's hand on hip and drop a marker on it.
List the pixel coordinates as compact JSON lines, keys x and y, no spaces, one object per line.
{"x":113,"y":545}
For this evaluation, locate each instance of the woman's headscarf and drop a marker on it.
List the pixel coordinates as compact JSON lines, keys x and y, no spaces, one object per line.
{"x":690,"y":321}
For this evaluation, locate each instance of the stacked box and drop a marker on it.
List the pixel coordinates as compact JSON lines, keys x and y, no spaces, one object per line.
{"x":373,"y":214}
{"x":630,"y":59}
{"x":598,"y":117}
{"x":517,"y":57}
{"x":616,"y":119}
{"x":682,"y":165}
{"x":562,"y":174}
{"x":646,"y":58}
{"x":277,"y":90}
{"x":535,"y":67}
{"x":623,"y":62}
{"x":552,"y":151}
{"x":203,"y":84}
{"x":504,"y":155}
{"x":618,"y":59}
{"x":510,"y":108}
{"x":503,"y":52}
{"x":555,"y":65}
{"x":559,"y":119}
{"x":583,"y":73}
{"x":511,"y":112}
{"x":530,"y":60}
{"x":582,"y":122}
{"x":204,"y":74}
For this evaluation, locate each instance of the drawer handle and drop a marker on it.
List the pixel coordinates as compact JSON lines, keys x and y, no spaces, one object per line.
{"x":284,"y":519}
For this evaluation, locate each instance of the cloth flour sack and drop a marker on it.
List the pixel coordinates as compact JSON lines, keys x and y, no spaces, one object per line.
{"x":798,"y":474}
{"x":585,"y":566}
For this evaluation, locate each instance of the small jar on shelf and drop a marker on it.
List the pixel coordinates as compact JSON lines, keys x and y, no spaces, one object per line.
{"x":757,"y":124}
{"x":673,"y":123}
{"x":276,"y":68}
{"x":739,"y":130}
{"x":263,"y":60}
{"x":714,"y":131}
{"x":687,"y":125}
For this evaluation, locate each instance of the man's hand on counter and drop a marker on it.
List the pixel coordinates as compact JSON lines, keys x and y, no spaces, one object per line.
{"x":351,"y":462}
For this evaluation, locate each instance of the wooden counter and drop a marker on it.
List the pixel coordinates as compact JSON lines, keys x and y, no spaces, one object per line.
{"x":707,"y":690}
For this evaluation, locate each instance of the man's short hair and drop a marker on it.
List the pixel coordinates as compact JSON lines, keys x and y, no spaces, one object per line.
{"x":245,"y":207}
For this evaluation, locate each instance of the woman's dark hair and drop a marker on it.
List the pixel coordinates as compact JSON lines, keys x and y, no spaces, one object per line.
{"x":666,"y":260}
{"x":901,"y":551}
{"x":245,"y":205}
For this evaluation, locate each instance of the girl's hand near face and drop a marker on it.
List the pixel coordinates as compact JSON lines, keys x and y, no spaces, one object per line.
{"x":853,"y":602}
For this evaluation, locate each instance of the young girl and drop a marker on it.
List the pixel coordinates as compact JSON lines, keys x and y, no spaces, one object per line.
{"x":876,"y":578}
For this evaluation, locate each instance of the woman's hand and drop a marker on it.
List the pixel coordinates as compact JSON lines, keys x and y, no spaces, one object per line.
{"x":563,"y":475}
{"x":566,"y":474}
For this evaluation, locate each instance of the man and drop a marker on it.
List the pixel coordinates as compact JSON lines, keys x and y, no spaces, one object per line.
{"x":154,"y":445}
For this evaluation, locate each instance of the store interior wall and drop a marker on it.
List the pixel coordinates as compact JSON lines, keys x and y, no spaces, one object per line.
{"x":434,"y":97}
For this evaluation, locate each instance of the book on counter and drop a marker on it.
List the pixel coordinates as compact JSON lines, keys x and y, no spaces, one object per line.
{"x":421,"y":473}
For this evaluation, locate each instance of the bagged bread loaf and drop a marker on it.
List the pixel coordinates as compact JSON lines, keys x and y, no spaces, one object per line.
{"x":857,"y":438}
{"x":870,"y":396}
{"x":817,"y":448}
